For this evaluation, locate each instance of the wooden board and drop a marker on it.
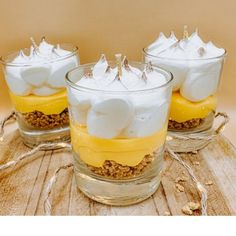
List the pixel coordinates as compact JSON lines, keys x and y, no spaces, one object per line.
{"x":22,"y":188}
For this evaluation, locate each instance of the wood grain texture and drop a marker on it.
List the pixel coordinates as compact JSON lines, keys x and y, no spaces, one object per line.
{"x":22,"y":188}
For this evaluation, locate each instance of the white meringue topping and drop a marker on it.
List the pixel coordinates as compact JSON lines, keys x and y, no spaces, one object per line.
{"x":186,"y":48}
{"x":110,"y":114}
{"x":42,"y":72}
{"x":195,"y":65}
{"x":106,"y":78}
{"x":162,"y":43}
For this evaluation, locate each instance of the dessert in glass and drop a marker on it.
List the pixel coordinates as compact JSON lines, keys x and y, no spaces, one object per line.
{"x":36,"y":82}
{"x":118,"y":120}
{"x":196,"y":67}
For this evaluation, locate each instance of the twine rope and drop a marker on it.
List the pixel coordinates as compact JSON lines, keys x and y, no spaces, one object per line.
{"x":11,"y":116}
{"x":53,"y":180}
{"x":33,"y":151}
{"x":202,"y":190}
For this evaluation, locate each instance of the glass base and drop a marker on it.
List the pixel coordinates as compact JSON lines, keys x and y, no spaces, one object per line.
{"x":180,"y":145}
{"x":201,"y":132}
{"x":118,"y":192}
{"x":33,"y":138}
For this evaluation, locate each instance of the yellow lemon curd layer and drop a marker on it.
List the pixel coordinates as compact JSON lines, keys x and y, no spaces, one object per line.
{"x":95,"y":151}
{"x":53,"y":104}
{"x":182,"y":109}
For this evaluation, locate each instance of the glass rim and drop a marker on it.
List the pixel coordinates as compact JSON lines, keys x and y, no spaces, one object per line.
{"x":74,"y":50}
{"x":72,"y":84}
{"x":145,"y":51}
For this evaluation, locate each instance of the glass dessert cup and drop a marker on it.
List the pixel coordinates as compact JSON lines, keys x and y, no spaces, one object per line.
{"x":38,"y":94}
{"x":125,"y":169}
{"x":194,"y":98}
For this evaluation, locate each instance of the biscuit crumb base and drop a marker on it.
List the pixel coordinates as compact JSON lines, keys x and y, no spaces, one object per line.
{"x":37,"y":119}
{"x":189,"y":124}
{"x":114,"y":170}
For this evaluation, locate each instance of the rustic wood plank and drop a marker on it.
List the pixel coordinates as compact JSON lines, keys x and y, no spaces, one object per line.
{"x":160,"y":201}
{"x":61,"y":190}
{"x":17,"y":182}
{"x":217,"y":203}
{"x":79,"y":203}
{"x":144,"y":208}
{"x":38,"y":185}
{"x":8,"y":146}
{"x":176,"y":200}
{"x":61,"y":193}
{"x":82,"y":205}
{"x":22,"y":188}
{"x":220,"y":157}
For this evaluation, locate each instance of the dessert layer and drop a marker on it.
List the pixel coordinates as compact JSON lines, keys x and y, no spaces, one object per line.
{"x":39,"y":120}
{"x":189,"y":124}
{"x":120,"y":110}
{"x":196,"y":66}
{"x":40,"y":70}
{"x":53,"y":104}
{"x":111,"y":169}
{"x":182,"y":110}
{"x":95,"y":151}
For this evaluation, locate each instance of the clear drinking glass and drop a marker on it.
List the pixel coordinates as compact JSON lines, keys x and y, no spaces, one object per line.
{"x":42,"y":115}
{"x":118,"y":171}
{"x":193,"y":113}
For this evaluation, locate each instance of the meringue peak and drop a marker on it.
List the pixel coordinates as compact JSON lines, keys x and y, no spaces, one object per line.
{"x":185,"y":33}
{"x":132,"y":78}
{"x":162,"y":36}
{"x":125,"y":64}
{"x":43,"y":39}
{"x":33,"y":43}
{"x":189,"y":47}
{"x":21,"y":54}
{"x":160,"y":39}
{"x":100,"y":67}
{"x":102,"y":58}
{"x":172,"y":35}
